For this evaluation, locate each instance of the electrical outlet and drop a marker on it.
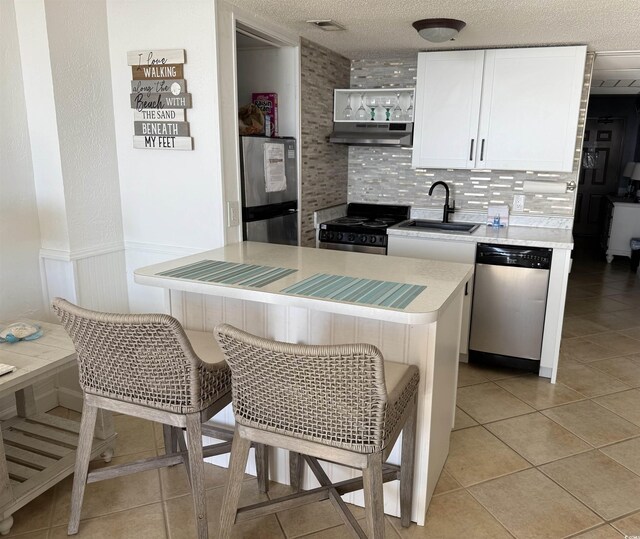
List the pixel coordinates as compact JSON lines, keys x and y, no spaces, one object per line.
{"x":518,"y":202}
{"x":233,"y":213}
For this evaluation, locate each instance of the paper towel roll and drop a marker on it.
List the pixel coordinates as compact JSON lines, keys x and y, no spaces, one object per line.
{"x":531,"y":186}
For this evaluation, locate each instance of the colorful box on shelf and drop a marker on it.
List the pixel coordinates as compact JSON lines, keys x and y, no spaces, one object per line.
{"x":394,"y":105}
{"x":268,"y":104}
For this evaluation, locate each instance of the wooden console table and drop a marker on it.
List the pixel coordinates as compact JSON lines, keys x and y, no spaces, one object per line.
{"x":37,"y":450}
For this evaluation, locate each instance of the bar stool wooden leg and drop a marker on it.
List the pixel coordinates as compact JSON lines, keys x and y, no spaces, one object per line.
{"x":295,"y":470}
{"x":83,"y":454}
{"x":196,"y":466}
{"x":407,"y":461}
{"x":262,"y":467}
{"x":170,"y":439}
{"x":373,"y":501}
{"x":237,"y":465}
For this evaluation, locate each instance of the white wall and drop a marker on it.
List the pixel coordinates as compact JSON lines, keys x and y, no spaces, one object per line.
{"x":79,"y":52}
{"x":20,"y":288}
{"x":67,"y":87}
{"x":171,"y":200}
{"x":43,"y":127}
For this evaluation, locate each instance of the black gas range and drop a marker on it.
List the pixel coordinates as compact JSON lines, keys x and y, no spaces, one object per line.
{"x":363,"y":229}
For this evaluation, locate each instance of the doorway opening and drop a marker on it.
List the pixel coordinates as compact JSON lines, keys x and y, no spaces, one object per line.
{"x":266,"y":65}
{"x":606,"y":191}
{"x":267,"y":86}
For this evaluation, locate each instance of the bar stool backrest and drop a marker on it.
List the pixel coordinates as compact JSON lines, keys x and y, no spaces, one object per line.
{"x":143,"y":359}
{"x":331,"y":394}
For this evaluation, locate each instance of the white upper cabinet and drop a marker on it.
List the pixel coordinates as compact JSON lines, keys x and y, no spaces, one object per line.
{"x":526,"y":109}
{"x":530,"y":107}
{"x":447,"y":109}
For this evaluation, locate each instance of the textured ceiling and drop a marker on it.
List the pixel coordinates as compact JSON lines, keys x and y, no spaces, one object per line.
{"x":376,"y":28}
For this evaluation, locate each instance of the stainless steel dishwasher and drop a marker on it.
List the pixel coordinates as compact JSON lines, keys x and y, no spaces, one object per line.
{"x":509,"y":304}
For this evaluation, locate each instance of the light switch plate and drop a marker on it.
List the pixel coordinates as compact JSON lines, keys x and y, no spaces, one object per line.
{"x":233,"y":213}
{"x":518,"y":202}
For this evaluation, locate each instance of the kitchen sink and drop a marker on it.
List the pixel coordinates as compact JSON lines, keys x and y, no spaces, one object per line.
{"x":422,"y":224}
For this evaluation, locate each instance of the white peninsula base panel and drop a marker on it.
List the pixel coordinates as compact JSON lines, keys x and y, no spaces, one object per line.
{"x":424,"y":332}
{"x":433,"y":347}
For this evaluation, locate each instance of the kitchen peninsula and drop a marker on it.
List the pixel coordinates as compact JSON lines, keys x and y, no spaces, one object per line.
{"x":410,"y":308}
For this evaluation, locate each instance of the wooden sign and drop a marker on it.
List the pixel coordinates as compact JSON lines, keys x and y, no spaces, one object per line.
{"x":159,"y":98}
{"x":155,"y":57}
{"x":159,"y":115}
{"x":140,"y":101}
{"x":159,"y":86}
{"x":171,"y":71}
{"x":175,"y":129}
{"x":155,"y":142}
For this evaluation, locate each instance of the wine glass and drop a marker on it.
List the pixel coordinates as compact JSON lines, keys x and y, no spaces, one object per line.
{"x":397,"y":114}
{"x":387,"y":102}
{"x":372,"y":101}
{"x":409,"y":112}
{"x":361,"y":113}
{"x":347,"y":113}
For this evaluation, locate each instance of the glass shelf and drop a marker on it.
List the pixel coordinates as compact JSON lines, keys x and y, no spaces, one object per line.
{"x":375,"y":105}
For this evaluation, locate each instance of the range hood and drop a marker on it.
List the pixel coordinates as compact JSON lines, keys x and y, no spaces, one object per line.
{"x":373,"y":134}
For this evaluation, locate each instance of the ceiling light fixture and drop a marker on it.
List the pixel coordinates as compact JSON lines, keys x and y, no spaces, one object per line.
{"x":439,"y":30}
{"x":327,"y":25}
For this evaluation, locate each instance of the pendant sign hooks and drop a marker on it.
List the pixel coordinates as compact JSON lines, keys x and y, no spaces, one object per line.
{"x":159,"y":100}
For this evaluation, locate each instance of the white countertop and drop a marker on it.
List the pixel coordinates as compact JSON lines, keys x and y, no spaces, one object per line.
{"x":555,"y":238}
{"x":443,"y":280}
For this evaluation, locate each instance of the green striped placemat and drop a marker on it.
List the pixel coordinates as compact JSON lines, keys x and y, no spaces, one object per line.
{"x":214,"y":271}
{"x":355,"y":290}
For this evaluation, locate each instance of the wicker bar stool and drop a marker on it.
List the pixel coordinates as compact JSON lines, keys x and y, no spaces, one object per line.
{"x":340,"y":403}
{"x":145,"y":366}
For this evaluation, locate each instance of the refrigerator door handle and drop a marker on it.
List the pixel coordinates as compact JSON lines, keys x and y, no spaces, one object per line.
{"x":258,"y":213}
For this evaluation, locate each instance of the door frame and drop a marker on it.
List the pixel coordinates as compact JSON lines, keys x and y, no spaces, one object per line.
{"x":229,"y":19}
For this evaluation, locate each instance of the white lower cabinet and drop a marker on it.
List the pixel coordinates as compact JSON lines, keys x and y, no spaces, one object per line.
{"x":446,"y":251}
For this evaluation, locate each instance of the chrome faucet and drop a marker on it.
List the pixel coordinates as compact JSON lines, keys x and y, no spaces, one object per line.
{"x":447,"y":209}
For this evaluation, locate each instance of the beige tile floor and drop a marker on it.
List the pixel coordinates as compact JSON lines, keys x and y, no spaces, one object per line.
{"x":528,"y":459}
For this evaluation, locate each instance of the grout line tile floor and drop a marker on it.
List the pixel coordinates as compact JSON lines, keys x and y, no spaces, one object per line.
{"x":528,"y":459}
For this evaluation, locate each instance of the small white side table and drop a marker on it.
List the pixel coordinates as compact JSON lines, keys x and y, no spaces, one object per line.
{"x":624,"y":224}
{"x":38,"y":450}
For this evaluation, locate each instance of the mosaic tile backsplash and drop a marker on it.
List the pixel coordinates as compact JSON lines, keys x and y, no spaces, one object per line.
{"x":324,"y":165}
{"x":384,"y":175}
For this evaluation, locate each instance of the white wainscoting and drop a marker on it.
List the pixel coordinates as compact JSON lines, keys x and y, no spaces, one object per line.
{"x":100,"y":279}
{"x":93,"y":278}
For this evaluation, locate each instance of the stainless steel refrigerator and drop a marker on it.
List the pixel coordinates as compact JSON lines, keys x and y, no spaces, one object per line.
{"x":269,"y":189}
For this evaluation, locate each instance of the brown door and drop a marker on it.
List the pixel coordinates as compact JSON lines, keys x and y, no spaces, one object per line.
{"x":600,"y":172}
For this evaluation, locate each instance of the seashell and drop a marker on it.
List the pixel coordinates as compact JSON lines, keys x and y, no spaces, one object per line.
{"x":19,"y":330}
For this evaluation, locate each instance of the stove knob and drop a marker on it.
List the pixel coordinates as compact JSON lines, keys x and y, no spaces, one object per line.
{"x":363,"y":238}
{"x":330,"y":235}
{"x":339,"y":236}
{"x":351,"y":237}
{"x":372,"y":239}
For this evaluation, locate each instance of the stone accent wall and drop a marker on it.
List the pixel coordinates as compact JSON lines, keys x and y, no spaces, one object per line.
{"x":324,"y":165}
{"x":384,"y":175}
